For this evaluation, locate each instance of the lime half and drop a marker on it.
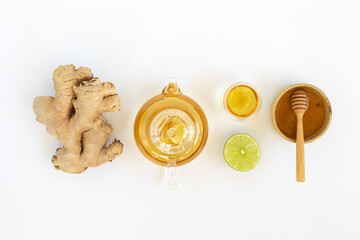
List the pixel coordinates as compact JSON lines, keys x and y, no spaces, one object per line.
{"x":242,"y":152}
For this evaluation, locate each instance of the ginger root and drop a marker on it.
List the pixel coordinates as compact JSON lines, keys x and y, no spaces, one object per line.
{"x":74,"y":117}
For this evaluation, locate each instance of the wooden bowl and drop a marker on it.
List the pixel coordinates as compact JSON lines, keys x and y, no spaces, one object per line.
{"x":316,"y":119}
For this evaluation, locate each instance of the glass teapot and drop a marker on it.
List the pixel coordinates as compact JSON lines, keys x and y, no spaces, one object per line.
{"x":171,"y":130}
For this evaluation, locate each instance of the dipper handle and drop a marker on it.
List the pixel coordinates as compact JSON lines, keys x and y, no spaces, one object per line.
{"x":300,"y":158}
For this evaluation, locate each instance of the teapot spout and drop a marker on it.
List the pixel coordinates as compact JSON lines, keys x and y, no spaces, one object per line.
{"x":172,"y":88}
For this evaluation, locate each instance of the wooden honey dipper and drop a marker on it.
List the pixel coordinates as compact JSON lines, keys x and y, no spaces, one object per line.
{"x":300,"y":103}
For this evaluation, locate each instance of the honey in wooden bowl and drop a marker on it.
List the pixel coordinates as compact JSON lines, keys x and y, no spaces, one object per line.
{"x":316,"y":119}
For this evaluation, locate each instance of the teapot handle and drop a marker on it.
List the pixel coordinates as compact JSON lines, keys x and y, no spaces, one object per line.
{"x":171,"y":175}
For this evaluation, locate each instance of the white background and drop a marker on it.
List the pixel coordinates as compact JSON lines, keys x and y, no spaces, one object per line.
{"x":138,"y":45}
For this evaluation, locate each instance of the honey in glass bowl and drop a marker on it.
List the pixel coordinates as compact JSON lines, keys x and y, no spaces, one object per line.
{"x":241,"y":100}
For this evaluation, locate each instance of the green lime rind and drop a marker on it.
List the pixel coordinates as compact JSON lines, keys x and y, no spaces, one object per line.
{"x":242,"y":152}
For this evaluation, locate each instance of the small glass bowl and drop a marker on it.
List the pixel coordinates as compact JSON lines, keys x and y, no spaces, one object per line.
{"x":228,"y":110}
